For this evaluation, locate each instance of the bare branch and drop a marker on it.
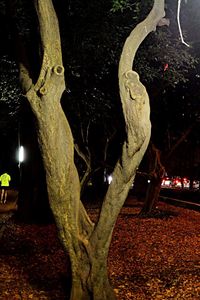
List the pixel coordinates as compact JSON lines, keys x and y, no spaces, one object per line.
{"x":179,"y":25}
{"x":180,"y":140}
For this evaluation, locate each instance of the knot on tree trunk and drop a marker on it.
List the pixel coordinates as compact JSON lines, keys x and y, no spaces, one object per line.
{"x":58,"y":70}
{"x":135,"y":90}
{"x":43,"y":90}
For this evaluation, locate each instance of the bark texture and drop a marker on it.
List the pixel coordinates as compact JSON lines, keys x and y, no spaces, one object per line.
{"x":86,"y":244}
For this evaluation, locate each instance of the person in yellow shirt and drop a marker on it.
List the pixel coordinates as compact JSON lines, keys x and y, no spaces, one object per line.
{"x":5,"y":182}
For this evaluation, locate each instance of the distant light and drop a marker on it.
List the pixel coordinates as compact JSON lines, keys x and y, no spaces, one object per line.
{"x":21,"y":154}
{"x":148,"y":180}
{"x":109,"y":179}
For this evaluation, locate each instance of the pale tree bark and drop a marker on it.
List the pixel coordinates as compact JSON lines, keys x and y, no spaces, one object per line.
{"x":86,"y":244}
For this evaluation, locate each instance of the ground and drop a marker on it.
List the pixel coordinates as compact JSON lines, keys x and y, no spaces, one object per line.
{"x":151,"y":258}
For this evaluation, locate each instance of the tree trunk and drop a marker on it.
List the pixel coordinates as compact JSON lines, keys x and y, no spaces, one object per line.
{"x":154,"y":186}
{"x":152,"y":196}
{"x":191,"y":183}
{"x":92,"y":282}
{"x":89,"y":267}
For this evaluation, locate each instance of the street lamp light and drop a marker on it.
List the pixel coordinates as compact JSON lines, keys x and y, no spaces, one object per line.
{"x":20,"y":161}
{"x":21,"y":154}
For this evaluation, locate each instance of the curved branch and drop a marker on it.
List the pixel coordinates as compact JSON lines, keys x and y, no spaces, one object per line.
{"x":80,"y":153}
{"x":138,"y":34}
{"x":136,"y":110}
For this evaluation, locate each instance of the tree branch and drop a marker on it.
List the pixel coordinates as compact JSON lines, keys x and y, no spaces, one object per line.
{"x":51,"y":45}
{"x":135,"y":104}
{"x":138,"y":35}
{"x":180,"y":140}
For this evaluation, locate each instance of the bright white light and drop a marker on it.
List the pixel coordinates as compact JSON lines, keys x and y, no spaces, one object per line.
{"x":109,"y":179}
{"x":21,"y":154}
{"x":148,"y":180}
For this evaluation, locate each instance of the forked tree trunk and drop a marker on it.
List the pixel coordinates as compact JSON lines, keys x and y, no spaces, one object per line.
{"x":86,"y":244}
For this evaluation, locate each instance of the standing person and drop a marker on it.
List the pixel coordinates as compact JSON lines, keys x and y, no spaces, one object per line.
{"x":5,"y":181}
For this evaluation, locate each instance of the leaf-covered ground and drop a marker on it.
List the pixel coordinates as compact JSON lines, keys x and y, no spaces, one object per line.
{"x":151,"y":258}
